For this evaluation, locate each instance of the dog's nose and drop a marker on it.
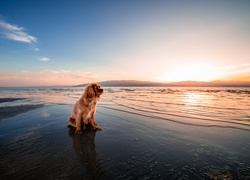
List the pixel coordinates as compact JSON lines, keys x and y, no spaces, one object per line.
{"x":101,"y":90}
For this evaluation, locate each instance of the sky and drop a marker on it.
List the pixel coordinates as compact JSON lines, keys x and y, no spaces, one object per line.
{"x":70,"y":42}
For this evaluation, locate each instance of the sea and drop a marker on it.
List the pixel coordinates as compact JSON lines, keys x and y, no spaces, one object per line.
{"x":201,"y":106}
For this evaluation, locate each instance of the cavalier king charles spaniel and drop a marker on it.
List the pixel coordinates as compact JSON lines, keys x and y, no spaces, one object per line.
{"x":84,"y":110}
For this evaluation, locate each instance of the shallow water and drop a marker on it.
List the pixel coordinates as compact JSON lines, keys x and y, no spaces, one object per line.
{"x":149,"y":133}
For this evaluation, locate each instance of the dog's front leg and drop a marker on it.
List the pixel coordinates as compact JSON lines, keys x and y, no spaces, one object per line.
{"x":78,"y":124}
{"x":94,"y":124}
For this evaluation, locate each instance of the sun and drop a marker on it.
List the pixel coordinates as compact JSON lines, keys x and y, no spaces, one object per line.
{"x":192,"y":72}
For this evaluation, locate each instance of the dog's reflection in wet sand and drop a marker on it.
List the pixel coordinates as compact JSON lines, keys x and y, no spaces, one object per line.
{"x":84,"y":146}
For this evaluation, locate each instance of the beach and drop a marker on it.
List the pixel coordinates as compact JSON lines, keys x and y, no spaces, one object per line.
{"x":144,"y":136}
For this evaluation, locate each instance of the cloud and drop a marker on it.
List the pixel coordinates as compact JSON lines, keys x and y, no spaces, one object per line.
{"x":16,"y":33}
{"x":239,"y":72}
{"x":236,"y":66}
{"x":237,"y":69}
{"x":54,"y":71}
{"x":44,"y":59}
{"x":46,"y":78}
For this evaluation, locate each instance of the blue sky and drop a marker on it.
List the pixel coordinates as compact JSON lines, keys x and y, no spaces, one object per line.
{"x":59,"y":42}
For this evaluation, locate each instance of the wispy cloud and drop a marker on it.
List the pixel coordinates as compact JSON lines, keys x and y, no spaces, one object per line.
{"x":62,"y":71}
{"x":236,"y":69}
{"x":46,"y":77}
{"x":16,"y":33}
{"x":237,"y":66}
{"x":44,"y":59}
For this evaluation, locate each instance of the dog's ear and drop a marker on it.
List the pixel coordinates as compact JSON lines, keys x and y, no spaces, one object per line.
{"x":89,"y":92}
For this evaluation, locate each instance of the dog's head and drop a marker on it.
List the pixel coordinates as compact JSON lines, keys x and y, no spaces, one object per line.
{"x":93,"y":90}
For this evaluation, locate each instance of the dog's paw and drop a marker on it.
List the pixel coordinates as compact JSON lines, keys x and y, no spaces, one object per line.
{"x":78,"y":132}
{"x":98,"y":129}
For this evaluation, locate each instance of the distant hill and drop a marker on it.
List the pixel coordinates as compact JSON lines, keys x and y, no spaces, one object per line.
{"x":127,"y":83}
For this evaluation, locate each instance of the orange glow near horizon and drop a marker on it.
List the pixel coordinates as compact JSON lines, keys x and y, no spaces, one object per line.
{"x":185,"y":72}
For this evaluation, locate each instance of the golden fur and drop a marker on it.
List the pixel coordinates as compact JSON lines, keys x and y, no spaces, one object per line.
{"x":84,"y":109}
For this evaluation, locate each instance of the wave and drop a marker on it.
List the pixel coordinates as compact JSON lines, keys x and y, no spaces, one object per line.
{"x":182,"y":122}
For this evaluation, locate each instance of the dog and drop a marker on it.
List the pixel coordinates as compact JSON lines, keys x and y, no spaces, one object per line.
{"x":83,"y":113}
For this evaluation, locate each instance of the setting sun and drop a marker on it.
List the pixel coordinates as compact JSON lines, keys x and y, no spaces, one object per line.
{"x":192,"y":72}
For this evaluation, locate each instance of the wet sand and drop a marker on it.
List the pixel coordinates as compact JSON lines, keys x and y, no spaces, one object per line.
{"x":6,"y":112}
{"x":38,"y":144}
{"x":9,"y":111}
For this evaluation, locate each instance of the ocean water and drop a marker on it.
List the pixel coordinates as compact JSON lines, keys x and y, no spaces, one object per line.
{"x":200,"y":106}
{"x":149,"y":133}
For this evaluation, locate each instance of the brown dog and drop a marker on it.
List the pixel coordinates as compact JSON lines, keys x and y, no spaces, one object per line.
{"x":84,"y":109}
